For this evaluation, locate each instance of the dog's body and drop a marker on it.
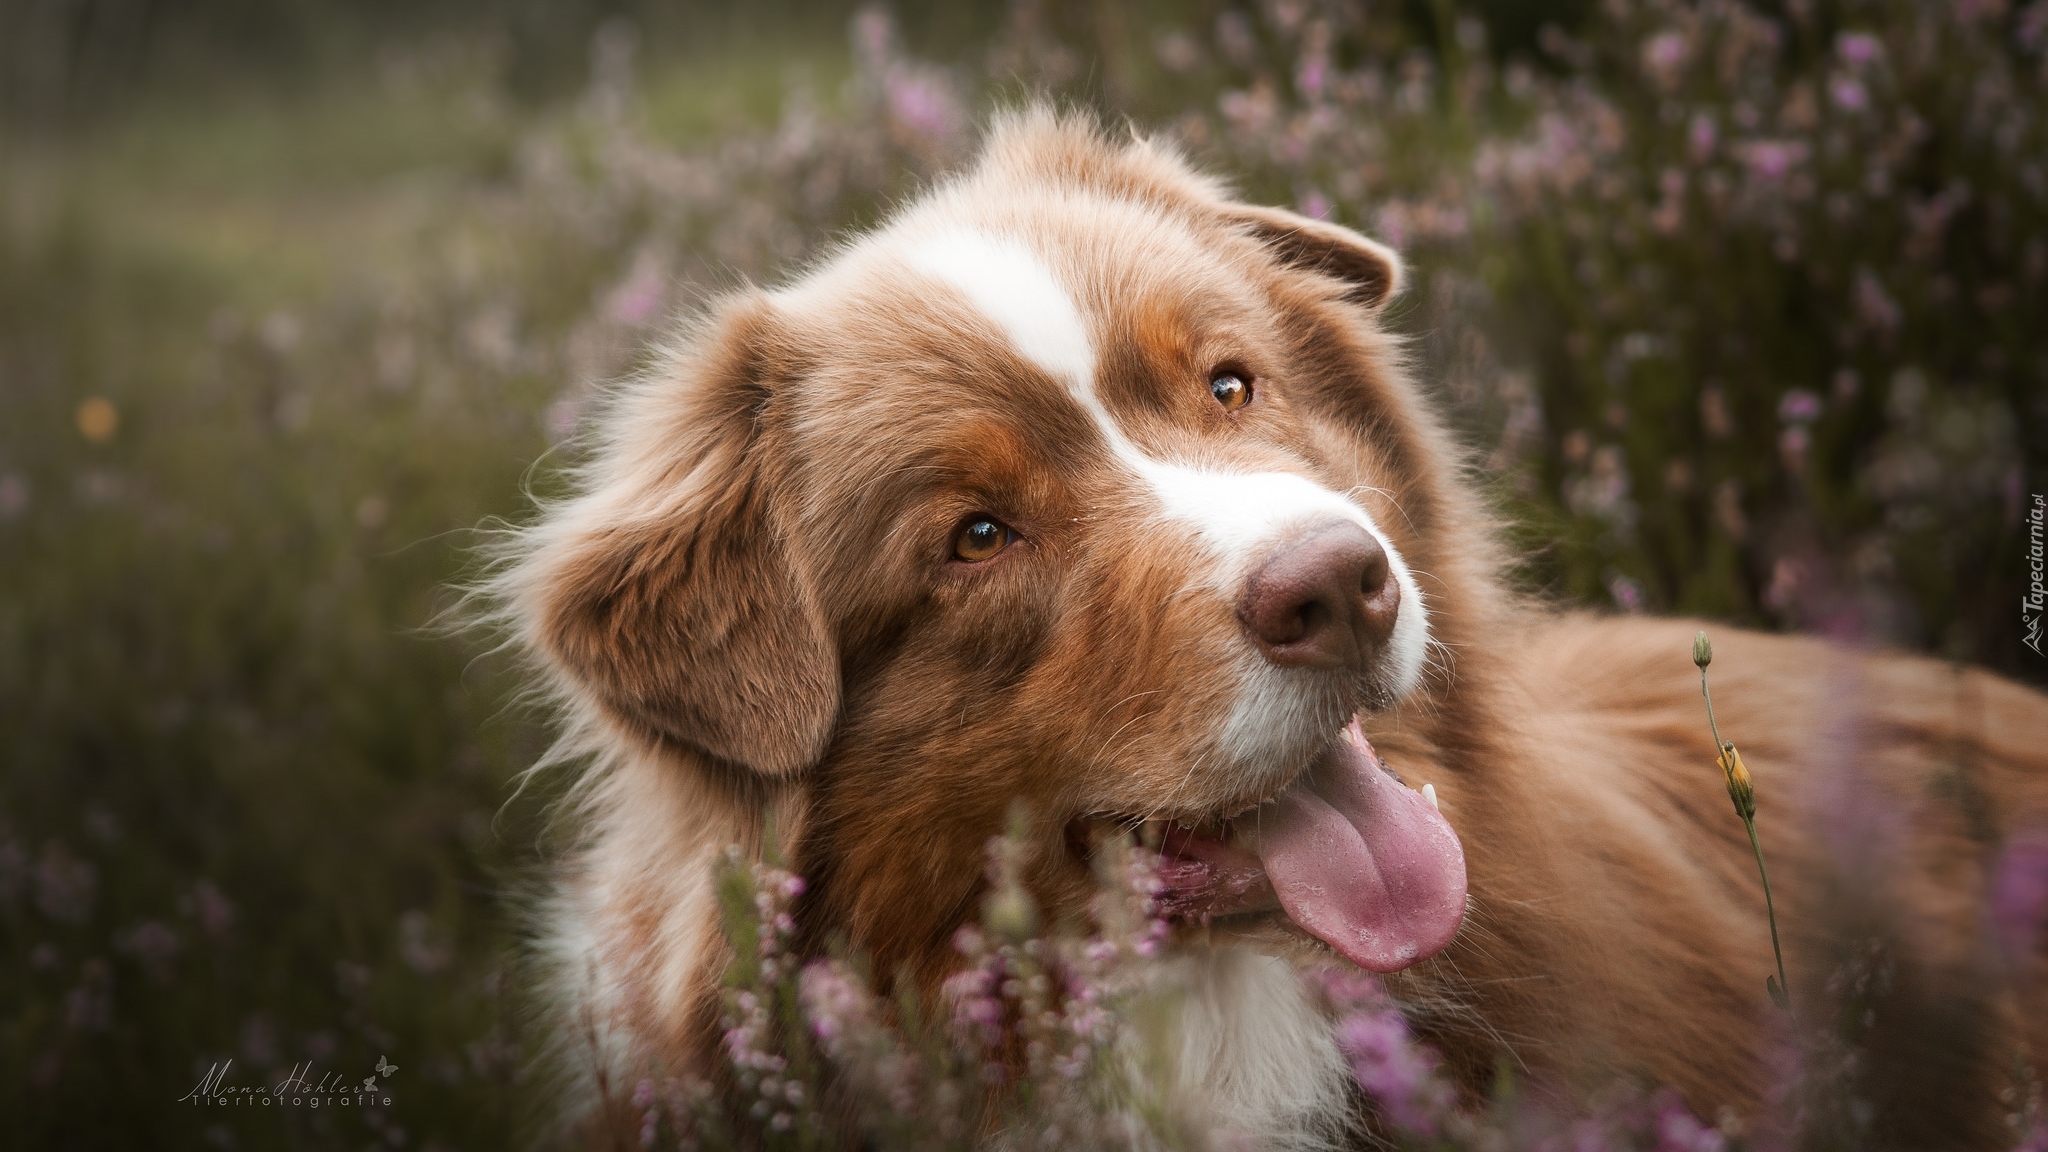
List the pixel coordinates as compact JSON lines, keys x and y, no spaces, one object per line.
{"x":1081,"y":484}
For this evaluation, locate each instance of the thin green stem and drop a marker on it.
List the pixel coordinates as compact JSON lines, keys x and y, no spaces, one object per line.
{"x":1719,"y":747}
{"x":1745,"y":807}
{"x":1770,"y":908}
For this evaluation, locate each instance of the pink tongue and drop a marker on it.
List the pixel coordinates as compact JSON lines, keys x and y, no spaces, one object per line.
{"x":1364,"y":864}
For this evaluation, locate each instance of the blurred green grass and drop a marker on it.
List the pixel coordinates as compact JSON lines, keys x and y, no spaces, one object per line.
{"x":224,"y":716}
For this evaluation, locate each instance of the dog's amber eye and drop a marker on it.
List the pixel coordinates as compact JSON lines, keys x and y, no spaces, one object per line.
{"x":1230,"y":390}
{"x":979,"y":539}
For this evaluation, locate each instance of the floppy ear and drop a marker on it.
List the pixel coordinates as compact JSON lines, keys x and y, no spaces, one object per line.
{"x":1371,"y":269}
{"x":668,"y":594}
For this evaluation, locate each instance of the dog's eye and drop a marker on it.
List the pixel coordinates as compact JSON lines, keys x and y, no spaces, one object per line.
{"x":1230,"y":389}
{"x":979,"y":539}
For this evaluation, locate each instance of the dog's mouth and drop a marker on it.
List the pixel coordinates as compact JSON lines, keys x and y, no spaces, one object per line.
{"x":1347,"y":852}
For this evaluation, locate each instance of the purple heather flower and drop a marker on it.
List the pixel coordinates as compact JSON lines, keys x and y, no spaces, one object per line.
{"x":1152,"y":939}
{"x":1849,"y":94}
{"x":2032,"y":30}
{"x":1627,"y":593}
{"x":2019,"y":895}
{"x":1858,"y":48}
{"x":1394,"y":1070}
{"x":1773,"y":159}
{"x":1792,"y":445}
{"x":1678,"y":1130}
{"x":1701,"y":136}
{"x":977,"y":1014}
{"x":923,"y":104}
{"x":833,"y":1001}
{"x":1664,"y":55}
{"x":1313,"y":74}
{"x":1349,"y":990}
{"x":1798,"y":407}
{"x":154,"y":944}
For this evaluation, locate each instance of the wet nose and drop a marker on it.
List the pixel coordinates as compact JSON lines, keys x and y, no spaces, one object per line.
{"x":1324,"y":598}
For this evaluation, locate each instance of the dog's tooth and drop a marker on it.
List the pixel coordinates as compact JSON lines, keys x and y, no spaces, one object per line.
{"x":1429,"y":794}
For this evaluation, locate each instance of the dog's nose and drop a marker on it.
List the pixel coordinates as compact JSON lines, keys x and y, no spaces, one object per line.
{"x":1325,"y":598}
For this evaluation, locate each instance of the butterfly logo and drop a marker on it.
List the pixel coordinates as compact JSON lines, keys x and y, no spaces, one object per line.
{"x":385,"y":1068}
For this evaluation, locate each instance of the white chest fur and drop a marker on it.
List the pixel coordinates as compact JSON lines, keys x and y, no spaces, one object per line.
{"x":1256,"y":1061}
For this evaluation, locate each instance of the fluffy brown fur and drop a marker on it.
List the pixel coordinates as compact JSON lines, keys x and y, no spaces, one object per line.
{"x":751,"y":606}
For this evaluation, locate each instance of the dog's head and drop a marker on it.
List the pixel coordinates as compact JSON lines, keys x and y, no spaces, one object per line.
{"x":1079,"y":483}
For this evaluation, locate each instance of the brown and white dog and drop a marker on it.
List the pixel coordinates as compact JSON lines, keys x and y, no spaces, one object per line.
{"x":1081,"y":482}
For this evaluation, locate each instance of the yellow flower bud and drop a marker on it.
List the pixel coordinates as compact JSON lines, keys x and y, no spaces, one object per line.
{"x":1741,"y":789}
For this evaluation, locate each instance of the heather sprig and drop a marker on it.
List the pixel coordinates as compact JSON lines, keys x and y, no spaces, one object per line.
{"x":1045,"y":1036}
{"x":1742,"y":793}
{"x":1033,"y":1039}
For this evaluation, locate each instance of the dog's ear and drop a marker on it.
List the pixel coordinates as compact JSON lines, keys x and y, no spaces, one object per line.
{"x":669,"y":594}
{"x":1370,"y":269}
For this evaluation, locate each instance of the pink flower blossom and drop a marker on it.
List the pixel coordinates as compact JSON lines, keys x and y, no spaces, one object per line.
{"x":1799,"y":406}
{"x":1664,"y":56}
{"x":833,"y":1001}
{"x":1678,"y":1130}
{"x":1848,"y":94}
{"x":1700,"y":136}
{"x":1858,"y":49}
{"x":1395,"y":1071}
{"x":1250,"y":112}
{"x":922,"y":103}
{"x":1627,"y":592}
{"x":1312,"y":77}
{"x":1774,"y":159}
{"x":154,"y":944}
{"x":1792,"y":445}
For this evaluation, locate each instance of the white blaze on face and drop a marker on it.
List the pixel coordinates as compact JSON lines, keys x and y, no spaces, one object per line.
{"x":1239,"y":515}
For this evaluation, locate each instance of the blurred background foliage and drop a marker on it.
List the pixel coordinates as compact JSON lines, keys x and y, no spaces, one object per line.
{"x":1739,"y":306}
